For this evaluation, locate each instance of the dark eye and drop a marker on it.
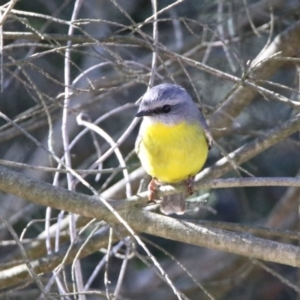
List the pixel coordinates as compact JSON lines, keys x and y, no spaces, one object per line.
{"x":166,"y":108}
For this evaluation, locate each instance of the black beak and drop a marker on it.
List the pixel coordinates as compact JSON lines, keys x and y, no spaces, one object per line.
{"x":143,"y":113}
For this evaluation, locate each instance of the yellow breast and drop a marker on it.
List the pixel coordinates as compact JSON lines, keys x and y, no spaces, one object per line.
{"x":172,"y":153}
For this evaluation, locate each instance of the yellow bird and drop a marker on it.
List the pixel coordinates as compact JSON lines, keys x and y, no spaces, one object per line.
{"x":172,"y":144}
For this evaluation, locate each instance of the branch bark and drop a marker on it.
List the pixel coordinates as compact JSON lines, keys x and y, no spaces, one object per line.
{"x":143,"y":221}
{"x":262,"y":67}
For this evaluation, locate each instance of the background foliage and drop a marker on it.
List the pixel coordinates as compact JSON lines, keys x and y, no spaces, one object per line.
{"x":59,"y":59}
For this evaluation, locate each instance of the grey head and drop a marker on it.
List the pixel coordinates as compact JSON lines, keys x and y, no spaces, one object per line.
{"x":169,"y":104}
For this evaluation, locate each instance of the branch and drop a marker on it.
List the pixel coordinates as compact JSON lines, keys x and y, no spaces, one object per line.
{"x":263,"y":67}
{"x":7,"y":11}
{"x":151,"y":223}
{"x":253,"y":148}
{"x":17,"y":274}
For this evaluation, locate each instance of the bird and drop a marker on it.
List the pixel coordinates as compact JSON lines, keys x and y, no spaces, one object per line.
{"x":173,"y":140}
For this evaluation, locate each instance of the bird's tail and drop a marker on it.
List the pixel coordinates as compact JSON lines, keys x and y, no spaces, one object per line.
{"x":173,"y":204}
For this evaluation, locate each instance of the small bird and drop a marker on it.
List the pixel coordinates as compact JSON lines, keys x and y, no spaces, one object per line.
{"x":173,"y":140}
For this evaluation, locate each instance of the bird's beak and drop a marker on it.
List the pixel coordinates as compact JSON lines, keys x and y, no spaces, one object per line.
{"x":143,"y":113}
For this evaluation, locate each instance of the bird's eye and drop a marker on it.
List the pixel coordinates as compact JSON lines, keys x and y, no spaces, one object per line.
{"x":166,"y":108}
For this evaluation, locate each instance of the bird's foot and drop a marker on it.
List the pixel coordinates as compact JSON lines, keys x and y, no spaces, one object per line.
{"x":189,"y":182}
{"x":152,"y":188}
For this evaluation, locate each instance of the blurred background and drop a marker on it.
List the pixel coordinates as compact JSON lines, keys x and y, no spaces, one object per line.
{"x":101,"y":69}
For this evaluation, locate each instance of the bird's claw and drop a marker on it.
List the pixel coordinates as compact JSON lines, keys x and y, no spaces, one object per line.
{"x":152,"y":188}
{"x":190,"y":185}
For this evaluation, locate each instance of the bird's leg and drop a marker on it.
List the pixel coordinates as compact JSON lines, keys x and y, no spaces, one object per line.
{"x":152,"y":187}
{"x":190,"y":185}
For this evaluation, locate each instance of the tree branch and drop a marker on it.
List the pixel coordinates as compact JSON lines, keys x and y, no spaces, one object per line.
{"x":151,"y":223}
{"x":262,"y":67}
